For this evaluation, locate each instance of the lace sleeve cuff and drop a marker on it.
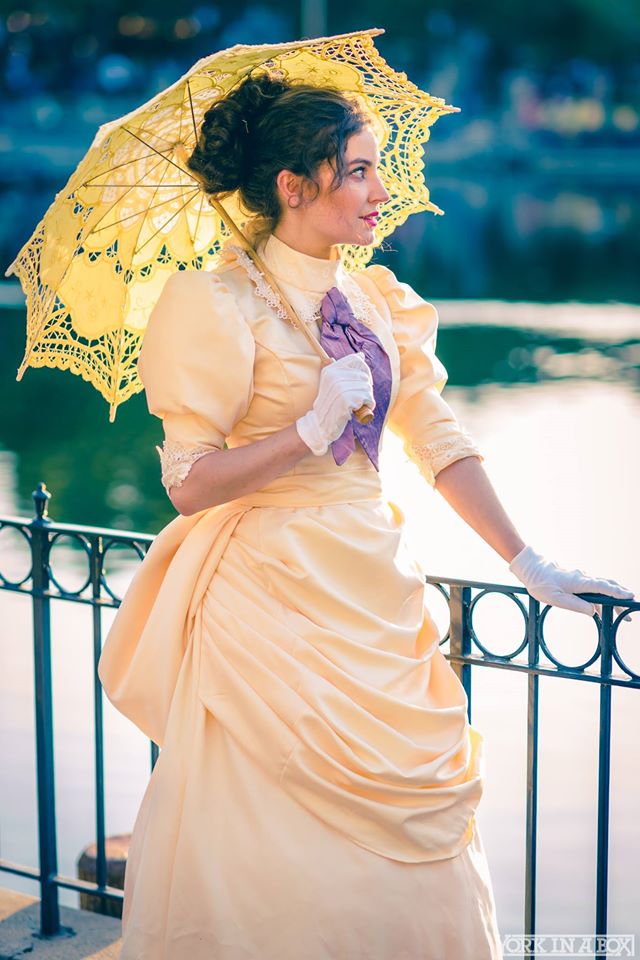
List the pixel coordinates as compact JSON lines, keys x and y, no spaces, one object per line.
{"x":433,"y":457}
{"x":176,"y":460}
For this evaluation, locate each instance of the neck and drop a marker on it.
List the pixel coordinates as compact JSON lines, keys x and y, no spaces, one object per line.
{"x":304,"y":244}
{"x":301,"y":270}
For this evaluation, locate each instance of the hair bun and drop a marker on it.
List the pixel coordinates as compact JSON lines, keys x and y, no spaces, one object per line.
{"x":222,"y":152}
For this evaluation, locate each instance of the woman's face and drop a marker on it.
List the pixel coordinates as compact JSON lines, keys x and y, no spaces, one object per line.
{"x":346,"y":214}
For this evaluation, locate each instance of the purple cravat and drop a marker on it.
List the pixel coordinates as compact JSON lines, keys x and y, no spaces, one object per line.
{"x":342,"y":334}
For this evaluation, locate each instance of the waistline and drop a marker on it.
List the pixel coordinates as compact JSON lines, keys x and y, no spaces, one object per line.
{"x":311,"y":490}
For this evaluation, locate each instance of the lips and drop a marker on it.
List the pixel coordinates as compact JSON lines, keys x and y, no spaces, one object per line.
{"x":371,"y":220}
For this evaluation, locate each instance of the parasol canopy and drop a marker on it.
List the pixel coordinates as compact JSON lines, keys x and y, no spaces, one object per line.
{"x":132,"y":214}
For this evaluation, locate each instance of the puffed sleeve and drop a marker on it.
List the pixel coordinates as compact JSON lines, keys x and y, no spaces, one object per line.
{"x":432,"y":436}
{"x":196,"y":365}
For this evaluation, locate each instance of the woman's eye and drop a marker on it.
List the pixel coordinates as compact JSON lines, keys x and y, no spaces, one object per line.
{"x":356,"y":169}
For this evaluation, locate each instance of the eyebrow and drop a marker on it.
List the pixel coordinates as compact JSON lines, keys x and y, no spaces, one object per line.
{"x":361,"y":160}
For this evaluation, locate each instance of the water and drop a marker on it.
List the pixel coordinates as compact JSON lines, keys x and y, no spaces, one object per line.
{"x":563,"y":460}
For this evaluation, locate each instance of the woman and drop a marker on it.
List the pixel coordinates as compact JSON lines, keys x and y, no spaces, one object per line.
{"x":315,"y":795}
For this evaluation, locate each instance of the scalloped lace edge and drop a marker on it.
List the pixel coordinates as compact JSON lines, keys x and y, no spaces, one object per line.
{"x":433,"y":457}
{"x":176,"y":460}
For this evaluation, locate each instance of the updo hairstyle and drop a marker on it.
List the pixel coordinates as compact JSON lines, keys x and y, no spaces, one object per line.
{"x":265,"y":125}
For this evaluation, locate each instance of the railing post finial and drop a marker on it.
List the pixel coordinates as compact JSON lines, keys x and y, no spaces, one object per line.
{"x":41,"y":497}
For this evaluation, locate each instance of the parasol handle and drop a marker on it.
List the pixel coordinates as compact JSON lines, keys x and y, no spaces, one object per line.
{"x":363,"y":414}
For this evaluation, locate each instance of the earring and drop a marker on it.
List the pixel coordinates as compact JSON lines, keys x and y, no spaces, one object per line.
{"x":293,"y":201}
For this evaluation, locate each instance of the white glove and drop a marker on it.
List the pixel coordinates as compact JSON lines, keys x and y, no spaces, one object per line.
{"x":549,"y":583}
{"x":345,"y":385}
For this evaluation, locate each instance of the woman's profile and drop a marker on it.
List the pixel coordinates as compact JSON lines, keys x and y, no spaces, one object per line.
{"x":316,"y":791}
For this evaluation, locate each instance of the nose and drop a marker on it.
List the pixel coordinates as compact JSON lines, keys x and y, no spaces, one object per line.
{"x":379,"y":194}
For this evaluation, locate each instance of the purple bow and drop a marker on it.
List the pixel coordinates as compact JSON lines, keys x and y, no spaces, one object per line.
{"x":342,"y":334}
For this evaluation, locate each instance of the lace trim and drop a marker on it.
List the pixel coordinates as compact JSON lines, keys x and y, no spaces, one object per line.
{"x":433,"y":457}
{"x":360,"y":302}
{"x":306,"y":306}
{"x":176,"y":461}
{"x":263,"y":289}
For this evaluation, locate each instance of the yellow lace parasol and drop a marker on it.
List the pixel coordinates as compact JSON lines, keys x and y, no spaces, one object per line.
{"x":132,"y":214}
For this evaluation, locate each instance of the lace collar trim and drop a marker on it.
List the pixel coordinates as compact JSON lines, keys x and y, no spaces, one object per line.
{"x":305,"y":303}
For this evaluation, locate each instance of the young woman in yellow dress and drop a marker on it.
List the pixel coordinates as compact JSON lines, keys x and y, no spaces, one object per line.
{"x":317,"y":784}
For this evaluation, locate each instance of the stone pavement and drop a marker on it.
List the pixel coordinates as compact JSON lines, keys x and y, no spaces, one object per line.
{"x":89,"y":936}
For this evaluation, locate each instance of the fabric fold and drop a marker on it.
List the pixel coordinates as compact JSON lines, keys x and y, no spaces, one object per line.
{"x":356,"y":713}
{"x":144,"y":649}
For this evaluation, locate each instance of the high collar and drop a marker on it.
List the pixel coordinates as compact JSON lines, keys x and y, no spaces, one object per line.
{"x":300,"y":270}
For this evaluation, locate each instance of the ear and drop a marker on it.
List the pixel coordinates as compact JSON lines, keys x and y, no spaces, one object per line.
{"x":289,"y":185}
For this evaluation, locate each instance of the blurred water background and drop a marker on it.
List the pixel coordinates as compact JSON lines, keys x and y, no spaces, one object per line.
{"x":534,"y":269}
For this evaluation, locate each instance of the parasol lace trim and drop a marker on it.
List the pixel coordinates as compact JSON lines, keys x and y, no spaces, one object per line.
{"x":433,"y":457}
{"x":176,"y":460}
{"x":306,"y":306}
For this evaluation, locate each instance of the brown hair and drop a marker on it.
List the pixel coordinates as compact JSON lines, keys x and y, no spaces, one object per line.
{"x":266,"y":125}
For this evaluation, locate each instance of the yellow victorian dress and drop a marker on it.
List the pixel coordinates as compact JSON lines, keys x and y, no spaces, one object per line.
{"x":315,"y":792}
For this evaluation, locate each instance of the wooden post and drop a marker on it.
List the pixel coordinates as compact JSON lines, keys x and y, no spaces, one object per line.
{"x":116,"y":849}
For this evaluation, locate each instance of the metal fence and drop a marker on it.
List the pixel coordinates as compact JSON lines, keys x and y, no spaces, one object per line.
{"x":530,"y":655}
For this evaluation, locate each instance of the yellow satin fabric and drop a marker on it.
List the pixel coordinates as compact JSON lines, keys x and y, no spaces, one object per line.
{"x":278,"y":648}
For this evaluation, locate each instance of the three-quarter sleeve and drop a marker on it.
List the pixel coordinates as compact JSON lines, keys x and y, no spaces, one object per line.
{"x":196,"y":365}
{"x":432,"y":436}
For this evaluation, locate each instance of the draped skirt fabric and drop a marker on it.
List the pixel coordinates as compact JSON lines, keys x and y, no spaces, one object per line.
{"x":315,"y":795}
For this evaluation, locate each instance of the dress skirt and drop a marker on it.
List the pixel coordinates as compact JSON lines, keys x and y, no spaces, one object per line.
{"x":248,"y":874}
{"x":315,"y":792}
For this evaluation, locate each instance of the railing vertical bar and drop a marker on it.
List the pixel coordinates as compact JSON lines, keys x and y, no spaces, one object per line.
{"x":460,"y":636}
{"x":49,"y":907}
{"x":96,"y":571}
{"x":604,"y":777}
{"x":531,"y":836}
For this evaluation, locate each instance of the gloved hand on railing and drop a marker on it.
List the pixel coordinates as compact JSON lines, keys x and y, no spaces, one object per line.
{"x":345,"y":385}
{"x":549,"y":583}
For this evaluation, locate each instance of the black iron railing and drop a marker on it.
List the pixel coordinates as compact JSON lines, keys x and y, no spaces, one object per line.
{"x":530,"y":655}
{"x":466,"y":651}
{"x":41,"y":584}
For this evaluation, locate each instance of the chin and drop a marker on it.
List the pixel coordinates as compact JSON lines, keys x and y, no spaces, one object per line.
{"x":358,"y":237}
{"x":359,"y":240}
